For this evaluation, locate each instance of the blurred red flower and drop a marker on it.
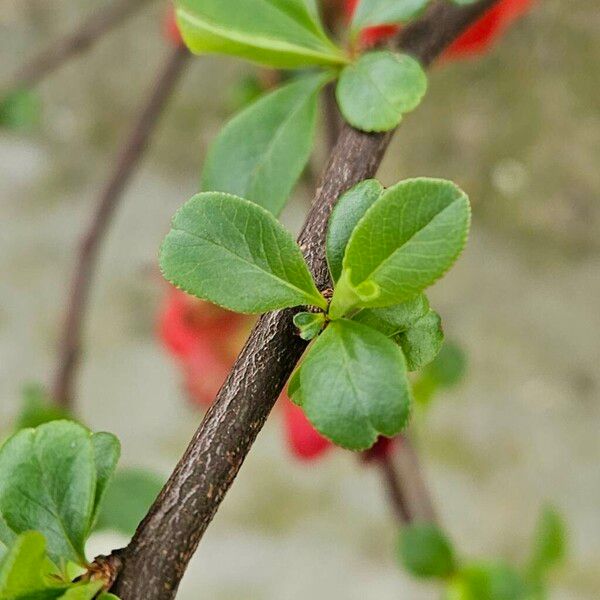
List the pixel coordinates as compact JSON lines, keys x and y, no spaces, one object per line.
{"x":477,"y":39}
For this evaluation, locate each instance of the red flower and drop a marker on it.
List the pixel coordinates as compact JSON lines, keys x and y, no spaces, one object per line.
{"x":477,"y":39}
{"x":203,"y":338}
{"x":303,"y":439}
{"x":171,"y":29}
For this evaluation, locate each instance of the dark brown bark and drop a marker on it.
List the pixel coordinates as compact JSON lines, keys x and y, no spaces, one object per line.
{"x":72,"y":44}
{"x":155,"y":560}
{"x":128,"y":159}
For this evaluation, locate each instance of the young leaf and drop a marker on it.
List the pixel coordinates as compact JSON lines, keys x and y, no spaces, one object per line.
{"x":489,"y":581}
{"x":261,"y":152}
{"x":236,"y":254}
{"x":349,"y":210}
{"x":426,"y":552}
{"x":370,"y":13}
{"x":48,"y":484}
{"x":549,"y":547}
{"x":84,"y":591}
{"x":128,"y":498}
{"x":277,"y":33}
{"x":406,"y":241}
{"x":309,"y":324}
{"x":293,"y":387}
{"x":354,"y":385}
{"x":374,"y":92}
{"x":23,"y":569}
{"x":422,"y":341}
{"x":393,"y":320}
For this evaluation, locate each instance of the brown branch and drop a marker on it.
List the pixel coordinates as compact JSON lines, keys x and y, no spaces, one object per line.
{"x":404,"y":483}
{"x":72,"y":44}
{"x":128,"y":159}
{"x":156,"y":559}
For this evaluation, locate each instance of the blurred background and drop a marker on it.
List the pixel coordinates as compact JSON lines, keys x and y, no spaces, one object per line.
{"x":518,"y":129}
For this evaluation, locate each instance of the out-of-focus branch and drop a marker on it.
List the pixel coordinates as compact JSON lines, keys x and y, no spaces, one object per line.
{"x":52,"y":57}
{"x":153,"y":564}
{"x":126,"y":163}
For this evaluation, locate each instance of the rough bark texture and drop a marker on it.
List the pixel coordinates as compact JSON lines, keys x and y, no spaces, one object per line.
{"x":125,"y":165}
{"x":155,"y":560}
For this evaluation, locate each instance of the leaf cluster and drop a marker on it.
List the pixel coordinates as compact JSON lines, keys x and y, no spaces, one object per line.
{"x":384,"y":247}
{"x":54,"y":478}
{"x":260,"y":154}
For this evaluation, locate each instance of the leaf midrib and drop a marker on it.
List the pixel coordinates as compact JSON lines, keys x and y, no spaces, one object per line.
{"x":300,"y":104}
{"x":264,"y":42}
{"x":244,"y":260}
{"x":382,"y":264}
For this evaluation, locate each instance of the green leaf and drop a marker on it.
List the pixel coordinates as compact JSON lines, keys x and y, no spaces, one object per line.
{"x":393,"y":320}
{"x":261,"y":152}
{"x":85,"y":591}
{"x":276,"y":33}
{"x":53,"y":478}
{"x":48,"y":484}
{"x":309,"y":324}
{"x":20,"y":110}
{"x":374,"y":92}
{"x":22,"y":568}
{"x":487,"y":581}
{"x":549,"y":545}
{"x":128,"y":498}
{"x":37,"y":408}
{"x":236,"y":254}
{"x":426,"y":552}
{"x":370,"y":13}
{"x":354,"y":385}
{"x":406,"y":241}
{"x":422,"y":342}
{"x":350,"y":208}
{"x":293,"y":388}
{"x":106,"y":596}
{"x":107,"y":451}
{"x":449,"y":367}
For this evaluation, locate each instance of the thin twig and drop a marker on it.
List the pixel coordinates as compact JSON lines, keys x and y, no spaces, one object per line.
{"x":128,"y":159}
{"x":72,"y":44}
{"x":157,"y":557}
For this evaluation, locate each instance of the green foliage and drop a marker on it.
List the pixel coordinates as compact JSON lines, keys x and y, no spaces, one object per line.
{"x":487,"y":581}
{"x":425,"y":551}
{"x":348,"y":211}
{"x":20,"y":110}
{"x":374,"y":92}
{"x":215,"y":234}
{"x":261,"y":152}
{"x":37,"y":408}
{"x":26,"y":573}
{"x":393,"y":320}
{"x":446,"y":371}
{"x":370,"y":13}
{"x":52,"y":480}
{"x":128,"y":498}
{"x":276,"y":33}
{"x":309,"y":324}
{"x":408,"y":239}
{"x":354,"y":385}
{"x":422,"y":341}
{"x":549,"y":549}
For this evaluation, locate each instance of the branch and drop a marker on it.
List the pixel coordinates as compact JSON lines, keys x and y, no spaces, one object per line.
{"x":75,"y":43}
{"x":128,"y":159}
{"x":154,"y":562}
{"x":404,"y":483}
